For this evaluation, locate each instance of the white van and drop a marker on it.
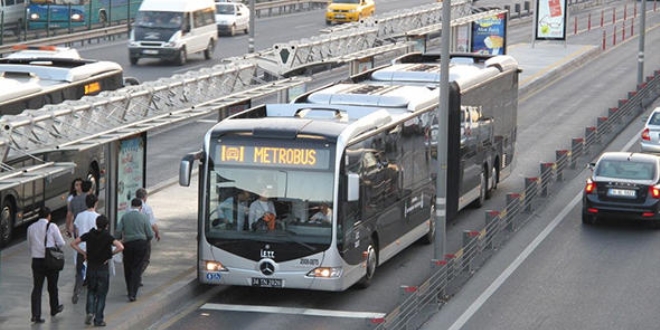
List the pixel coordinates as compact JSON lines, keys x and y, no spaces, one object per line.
{"x":13,"y":13}
{"x":173,"y":29}
{"x":232,"y":17}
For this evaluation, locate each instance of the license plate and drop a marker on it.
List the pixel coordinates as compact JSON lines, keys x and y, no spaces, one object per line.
{"x":150,"y":51}
{"x":267,"y":282}
{"x":340,"y":16}
{"x":621,"y":193}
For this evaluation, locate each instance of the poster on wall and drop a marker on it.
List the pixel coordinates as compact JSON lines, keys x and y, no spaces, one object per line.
{"x":551,"y":20}
{"x":489,"y":35}
{"x":462,"y":42}
{"x":131,"y":171}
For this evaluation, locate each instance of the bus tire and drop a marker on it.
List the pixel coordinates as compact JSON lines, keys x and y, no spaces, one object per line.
{"x":493,"y":178}
{"x":370,"y":265}
{"x":7,"y":215}
{"x":182,"y":58}
{"x":208,"y":52}
{"x":483,"y":190}
{"x":429,"y":238}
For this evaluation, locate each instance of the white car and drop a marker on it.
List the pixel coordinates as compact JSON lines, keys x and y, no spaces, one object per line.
{"x":231,"y":17}
{"x":650,"y":137}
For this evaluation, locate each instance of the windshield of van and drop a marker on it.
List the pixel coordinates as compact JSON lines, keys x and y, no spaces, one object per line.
{"x":224,"y":9}
{"x":159,"y":19}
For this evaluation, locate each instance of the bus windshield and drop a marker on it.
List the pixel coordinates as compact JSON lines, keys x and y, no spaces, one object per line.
{"x":287,"y":202}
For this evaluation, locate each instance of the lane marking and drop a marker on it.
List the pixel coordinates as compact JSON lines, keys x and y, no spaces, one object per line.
{"x":481,"y":300}
{"x":293,"y":311}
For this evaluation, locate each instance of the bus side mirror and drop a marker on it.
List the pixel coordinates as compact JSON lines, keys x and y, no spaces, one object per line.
{"x":185,"y":167}
{"x":353,"y":193}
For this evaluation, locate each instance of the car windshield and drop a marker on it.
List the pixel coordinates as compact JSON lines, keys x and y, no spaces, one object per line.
{"x":347,"y":1}
{"x":224,"y":9}
{"x":623,"y":169}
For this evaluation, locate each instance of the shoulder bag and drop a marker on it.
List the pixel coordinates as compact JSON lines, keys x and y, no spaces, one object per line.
{"x":54,"y":255}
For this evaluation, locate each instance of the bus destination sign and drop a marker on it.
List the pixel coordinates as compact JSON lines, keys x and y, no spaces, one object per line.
{"x":310,"y":158}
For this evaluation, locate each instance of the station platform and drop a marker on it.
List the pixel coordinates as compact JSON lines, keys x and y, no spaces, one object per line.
{"x":170,"y":280}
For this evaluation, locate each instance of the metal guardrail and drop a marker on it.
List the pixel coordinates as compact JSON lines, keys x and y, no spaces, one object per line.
{"x":418,"y":303}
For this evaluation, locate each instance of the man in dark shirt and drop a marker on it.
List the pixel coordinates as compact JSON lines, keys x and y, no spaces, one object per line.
{"x":98,"y":256}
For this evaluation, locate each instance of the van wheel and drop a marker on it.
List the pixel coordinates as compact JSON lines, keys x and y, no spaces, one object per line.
{"x":247,"y":30}
{"x":6,"y":223}
{"x":208,"y":52}
{"x":328,"y":23}
{"x":232,"y":30}
{"x":133,"y":60}
{"x":182,"y":58}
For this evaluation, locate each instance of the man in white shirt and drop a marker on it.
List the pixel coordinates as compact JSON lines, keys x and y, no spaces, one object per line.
{"x":226,"y":209}
{"x":84,"y":222}
{"x":37,"y":233}
{"x":259,"y":207}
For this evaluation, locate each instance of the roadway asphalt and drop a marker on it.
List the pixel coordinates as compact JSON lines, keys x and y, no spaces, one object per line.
{"x":170,"y":281}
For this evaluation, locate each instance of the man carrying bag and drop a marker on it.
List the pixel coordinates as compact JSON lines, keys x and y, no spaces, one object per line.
{"x":41,"y":237}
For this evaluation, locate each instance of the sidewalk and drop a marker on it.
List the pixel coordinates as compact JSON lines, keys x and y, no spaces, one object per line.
{"x":170,"y":281}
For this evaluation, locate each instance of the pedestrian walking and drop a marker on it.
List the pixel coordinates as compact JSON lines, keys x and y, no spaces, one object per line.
{"x":148,"y":211}
{"x":75,"y":190}
{"x":78,"y":204}
{"x":98,"y":254}
{"x":85,"y":221}
{"x":134,"y":230}
{"x":40,"y":235}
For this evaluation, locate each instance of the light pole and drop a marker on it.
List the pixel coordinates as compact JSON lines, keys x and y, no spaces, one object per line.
{"x":640,"y":54}
{"x":251,"y":37}
{"x":442,"y":137}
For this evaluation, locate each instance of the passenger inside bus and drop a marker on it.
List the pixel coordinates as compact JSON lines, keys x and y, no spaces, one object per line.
{"x":323,"y":216}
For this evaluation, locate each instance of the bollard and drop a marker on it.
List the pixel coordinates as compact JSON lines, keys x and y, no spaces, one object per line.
{"x":589,"y":23}
{"x":469,"y":249}
{"x":531,"y":187}
{"x":517,"y":9}
{"x":604,"y":40}
{"x":492,"y":227}
{"x":602,"y":127}
{"x":527,"y":7}
{"x":438,"y":266}
{"x":561,"y":158}
{"x":546,"y":176}
{"x":589,"y":138}
{"x":613,"y":114}
{"x":577,"y":149}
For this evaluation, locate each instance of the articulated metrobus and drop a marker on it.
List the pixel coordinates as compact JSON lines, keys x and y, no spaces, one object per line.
{"x":32,"y":82}
{"x":316,"y":194}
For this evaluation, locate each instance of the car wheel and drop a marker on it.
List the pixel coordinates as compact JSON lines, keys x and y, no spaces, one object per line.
{"x":133,"y":60}
{"x":588,"y":219}
{"x":208,"y":52}
{"x":182,"y":58}
{"x":328,"y":23}
{"x":371,"y":263}
{"x":6,"y":223}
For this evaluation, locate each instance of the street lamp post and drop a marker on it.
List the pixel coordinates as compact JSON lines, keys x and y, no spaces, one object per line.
{"x":251,"y":37}
{"x":640,"y":54}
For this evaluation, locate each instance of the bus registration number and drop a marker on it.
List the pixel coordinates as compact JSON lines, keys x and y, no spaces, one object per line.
{"x":267,"y":282}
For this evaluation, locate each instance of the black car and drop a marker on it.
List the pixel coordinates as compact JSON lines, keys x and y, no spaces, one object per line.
{"x":623,"y":186}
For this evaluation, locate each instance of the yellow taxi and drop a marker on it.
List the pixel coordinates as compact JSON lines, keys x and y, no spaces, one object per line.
{"x":340,"y":11}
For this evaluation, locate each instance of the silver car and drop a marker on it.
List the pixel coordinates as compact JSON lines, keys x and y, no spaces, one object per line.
{"x":651,"y":133}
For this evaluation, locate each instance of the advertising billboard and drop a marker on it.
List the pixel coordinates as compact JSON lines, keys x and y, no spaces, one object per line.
{"x":550,"y":20}
{"x":488,"y":35}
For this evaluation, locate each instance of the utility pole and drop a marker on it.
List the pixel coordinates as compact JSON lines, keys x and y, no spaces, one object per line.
{"x":442,"y":136}
{"x":251,"y":37}
{"x":640,"y":54}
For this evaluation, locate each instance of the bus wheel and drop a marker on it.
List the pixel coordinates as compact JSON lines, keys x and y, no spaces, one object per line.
{"x":208,"y":52}
{"x":483,"y":190}
{"x":103,"y":18}
{"x":429,"y":238}
{"x":371,"y":263}
{"x":6,"y":223}
{"x":182,"y":58}
{"x":493,"y":178}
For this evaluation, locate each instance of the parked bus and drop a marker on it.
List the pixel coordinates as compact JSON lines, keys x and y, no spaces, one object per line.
{"x":30,"y":82}
{"x":27,"y":182}
{"x":355,"y":155}
{"x":57,"y":14}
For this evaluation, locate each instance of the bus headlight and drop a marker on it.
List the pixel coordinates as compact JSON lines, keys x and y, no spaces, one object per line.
{"x":34,"y":16}
{"x":327,"y":272}
{"x":214,"y":266}
{"x":76,"y":17}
